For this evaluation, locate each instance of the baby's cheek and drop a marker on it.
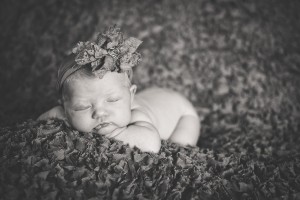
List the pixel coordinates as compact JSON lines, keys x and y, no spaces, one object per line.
{"x":126,"y":117}
{"x":80,"y":122}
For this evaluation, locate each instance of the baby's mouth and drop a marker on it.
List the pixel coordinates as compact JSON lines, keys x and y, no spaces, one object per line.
{"x":102,"y":125}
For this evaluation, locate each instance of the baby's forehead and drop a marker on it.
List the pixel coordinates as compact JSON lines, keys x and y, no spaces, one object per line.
{"x":111,"y":84}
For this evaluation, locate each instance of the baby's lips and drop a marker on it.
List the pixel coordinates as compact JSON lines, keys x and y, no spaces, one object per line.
{"x":102,"y":125}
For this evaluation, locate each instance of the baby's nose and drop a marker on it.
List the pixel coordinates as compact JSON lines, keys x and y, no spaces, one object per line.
{"x":99,"y":113}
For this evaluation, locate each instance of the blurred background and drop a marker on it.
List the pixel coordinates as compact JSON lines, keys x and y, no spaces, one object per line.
{"x":231,"y":58}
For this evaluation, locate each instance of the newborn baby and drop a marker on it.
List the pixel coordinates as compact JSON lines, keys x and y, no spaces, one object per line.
{"x":107,"y":104}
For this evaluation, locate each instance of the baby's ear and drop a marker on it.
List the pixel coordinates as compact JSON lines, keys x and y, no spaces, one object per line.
{"x":132,"y":92}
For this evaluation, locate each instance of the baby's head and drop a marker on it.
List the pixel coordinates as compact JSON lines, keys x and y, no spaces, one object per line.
{"x":98,"y":105}
{"x":95,"y":85}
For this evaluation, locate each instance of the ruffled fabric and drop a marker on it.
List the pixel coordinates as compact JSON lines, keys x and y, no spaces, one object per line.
{"x":50,"y":161}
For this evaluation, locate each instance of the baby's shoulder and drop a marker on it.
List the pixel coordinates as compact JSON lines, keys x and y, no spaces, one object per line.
{"x":138,"y":113}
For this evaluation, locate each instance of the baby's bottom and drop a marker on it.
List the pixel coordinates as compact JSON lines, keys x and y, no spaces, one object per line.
{"x":187,"y":131}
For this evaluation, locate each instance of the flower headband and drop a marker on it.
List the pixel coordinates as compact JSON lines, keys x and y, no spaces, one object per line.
{"x":111,"y":52}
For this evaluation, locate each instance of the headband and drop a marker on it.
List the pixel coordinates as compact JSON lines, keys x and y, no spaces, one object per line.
{"x":111,"y":52}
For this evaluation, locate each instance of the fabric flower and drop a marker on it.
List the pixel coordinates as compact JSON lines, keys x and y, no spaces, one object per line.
{"x":111,"y":52}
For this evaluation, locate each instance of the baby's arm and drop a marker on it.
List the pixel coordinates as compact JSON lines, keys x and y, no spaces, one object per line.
{"x":140,"y":133}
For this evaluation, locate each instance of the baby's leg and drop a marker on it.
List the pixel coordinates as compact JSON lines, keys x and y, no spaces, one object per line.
{"x":187,"y":130}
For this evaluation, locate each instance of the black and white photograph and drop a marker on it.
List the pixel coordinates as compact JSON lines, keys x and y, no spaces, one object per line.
{"x":150,"y":100}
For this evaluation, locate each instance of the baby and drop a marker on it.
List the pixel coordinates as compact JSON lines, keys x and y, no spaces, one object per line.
{"x":97,"y":96}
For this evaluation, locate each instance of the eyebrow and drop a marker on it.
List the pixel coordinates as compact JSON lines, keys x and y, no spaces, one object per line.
{"x":113,"y":92}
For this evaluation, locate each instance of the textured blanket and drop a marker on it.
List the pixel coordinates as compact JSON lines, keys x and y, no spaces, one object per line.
{"x":237,"y":61}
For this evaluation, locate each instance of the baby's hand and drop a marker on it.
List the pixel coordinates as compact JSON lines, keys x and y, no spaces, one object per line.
{"x":116,"y":132}
{"x":55,"y":113}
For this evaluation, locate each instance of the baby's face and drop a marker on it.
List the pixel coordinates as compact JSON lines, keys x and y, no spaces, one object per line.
{"x":99,"y":105}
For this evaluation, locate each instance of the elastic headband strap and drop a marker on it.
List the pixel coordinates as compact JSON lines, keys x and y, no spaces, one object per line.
{"x":65,"y":70}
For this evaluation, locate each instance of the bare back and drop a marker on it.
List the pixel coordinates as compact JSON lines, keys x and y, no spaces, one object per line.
{"x":164,"y":107}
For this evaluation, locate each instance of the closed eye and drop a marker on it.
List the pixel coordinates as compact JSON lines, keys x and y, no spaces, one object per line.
{"x":113,"y":99}
{"x":81,"y":108}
